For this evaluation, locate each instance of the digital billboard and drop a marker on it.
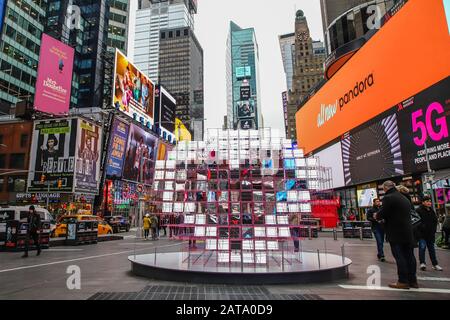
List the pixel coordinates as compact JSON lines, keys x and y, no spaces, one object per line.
{"x":52,"y":155}
{"x":246,"y":93}
{"x":133,"y":91}
{"x":388,"y":69}
{"x":247,"y":124}
{"x":117,"y":149}
{"x":246,"y":109}
{"x":165,"y":108}
{"x":366,"y":194}
{"x":2,"y":14}
{"x":140,"y":156}
{"x":373,"y":153}
{"x":424,"y":119}
{"x":54,"y":77}
{"x":243,"y":72}
{"x":87,"y":170}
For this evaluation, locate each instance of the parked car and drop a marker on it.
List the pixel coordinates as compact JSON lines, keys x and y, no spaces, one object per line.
{"x":118,"y":223}
{"x":61,"y":226}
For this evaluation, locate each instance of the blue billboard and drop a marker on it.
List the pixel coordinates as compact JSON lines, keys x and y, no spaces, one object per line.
{"x":2,"y":14}
{"x":117,"y":147}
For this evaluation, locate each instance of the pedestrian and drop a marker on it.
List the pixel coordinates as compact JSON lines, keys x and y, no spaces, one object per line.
{"x":294,"y":222}
{"x":154,"y":225}
{"x":405,"y":192}
{"x":34,"y":226}
{"x":396,"y":213}
{"x":147,"y":226}
{"x":446,"y":231}
{"x":427,"y":231}
{"x":377,"y":228}
{"x":164,"y":222}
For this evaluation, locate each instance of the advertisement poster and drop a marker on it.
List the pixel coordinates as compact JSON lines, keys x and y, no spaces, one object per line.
{"x":168,"y":108}
{"x":89,"y":139}
{"x":246,"y":109}
{"x":133,"y":91}
{"x":373,"y":153}
{"x":247,"y":124}
{"x":117,"y":148}
{"x":165,"y":108}
{"x":425,"y":120}
{"x":243,"y":72}
{"x":163,"y":150}
{"x":140,"y":156}
{"x":54,"y":77}
{"x":52,"y":155}
{"x":246,"y":93}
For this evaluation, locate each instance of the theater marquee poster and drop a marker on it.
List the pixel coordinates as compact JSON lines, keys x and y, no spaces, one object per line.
{"x":87,"y":176}
{"x":52,"y":156}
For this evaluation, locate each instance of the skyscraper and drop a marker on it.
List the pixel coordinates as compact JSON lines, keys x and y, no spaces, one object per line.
{"x":308,"y":69}
{"x":287,"y":46}
{"x":181,"y":72}
{"x":21,"y":27}
{"x":152,"y":17}
{"x":118,"y":25}
{"x":88,"y":34}
{"x":242,"y":72}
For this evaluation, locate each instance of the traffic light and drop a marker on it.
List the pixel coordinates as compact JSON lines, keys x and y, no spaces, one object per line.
{"x":43,"y":178}
{"x":60,"y":182}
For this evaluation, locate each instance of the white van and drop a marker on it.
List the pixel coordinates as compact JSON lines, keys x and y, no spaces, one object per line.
{"x":20,"y":213}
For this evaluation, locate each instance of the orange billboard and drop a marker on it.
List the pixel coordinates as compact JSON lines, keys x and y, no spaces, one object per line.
{"x":410,"y":53}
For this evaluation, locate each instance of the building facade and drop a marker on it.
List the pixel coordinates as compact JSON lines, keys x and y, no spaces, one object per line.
{"x":181,"y":73}
{"x":287,"y":47}
{"x":118,"y":25}
{"x":21,"y":30}
{"x":242,"y":74}
{"x":88,"y":34}
{"x":308,"y":69}
{"x":367,"y":133}
{"x":15,"y":141}
{"x":152,"y":17}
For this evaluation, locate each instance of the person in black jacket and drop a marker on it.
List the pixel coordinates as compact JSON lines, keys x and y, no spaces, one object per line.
{"x":34,"y":225}
{"x":396,"y":212}
{"x":377,"y":228}
{"x":427,"y":231}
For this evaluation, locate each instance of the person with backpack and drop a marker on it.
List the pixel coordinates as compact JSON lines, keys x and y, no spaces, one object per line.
{"x":427,"y":231}
{"x":34,"y":226}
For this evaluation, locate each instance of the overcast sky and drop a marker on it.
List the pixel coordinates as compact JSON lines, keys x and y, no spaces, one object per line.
{"x":270,"y":19}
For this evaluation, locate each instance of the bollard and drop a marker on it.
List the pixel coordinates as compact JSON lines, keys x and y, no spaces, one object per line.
{"x":335,"y":234}
{"x":155,"y":257}
{"x":343,"y":253}
{"x":309,"y":233}
{"x":361,"y":234}
{"x":318,"y":256}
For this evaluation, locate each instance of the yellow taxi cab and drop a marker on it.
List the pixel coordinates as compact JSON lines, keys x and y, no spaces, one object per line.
{"x":61,"y":226}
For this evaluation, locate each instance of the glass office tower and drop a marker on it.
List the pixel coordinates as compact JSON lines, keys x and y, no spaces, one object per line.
{"x":243,"y":101}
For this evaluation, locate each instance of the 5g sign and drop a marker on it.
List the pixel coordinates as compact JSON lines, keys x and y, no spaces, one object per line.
{"x":424,"y":127}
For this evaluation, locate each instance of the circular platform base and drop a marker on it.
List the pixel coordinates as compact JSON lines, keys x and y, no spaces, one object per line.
{"x":200,"y":268}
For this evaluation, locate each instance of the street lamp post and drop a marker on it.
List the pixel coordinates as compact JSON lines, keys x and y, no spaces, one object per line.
{"x":430,"y":176}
